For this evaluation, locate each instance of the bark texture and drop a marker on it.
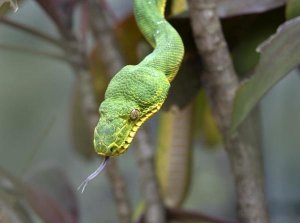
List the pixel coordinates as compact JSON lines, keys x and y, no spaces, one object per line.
{"x":220,"y":82}
{"x":155,"y":212}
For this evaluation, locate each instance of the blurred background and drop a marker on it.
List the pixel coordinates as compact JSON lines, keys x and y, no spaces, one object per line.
{"x":38,"y":144}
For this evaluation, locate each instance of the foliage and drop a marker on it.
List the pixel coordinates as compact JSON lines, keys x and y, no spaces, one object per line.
{"x":270,"y":69}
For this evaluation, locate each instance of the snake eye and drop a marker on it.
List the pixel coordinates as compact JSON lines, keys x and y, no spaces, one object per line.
{"x":134,"y":114}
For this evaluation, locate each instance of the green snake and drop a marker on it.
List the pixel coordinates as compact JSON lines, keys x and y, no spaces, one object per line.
{"x":137,"y":92}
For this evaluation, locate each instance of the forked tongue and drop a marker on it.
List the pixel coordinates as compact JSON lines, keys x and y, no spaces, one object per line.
{"x":83,"y":185}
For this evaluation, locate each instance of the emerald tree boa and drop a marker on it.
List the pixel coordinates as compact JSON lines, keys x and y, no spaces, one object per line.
{"x":138,"y":91}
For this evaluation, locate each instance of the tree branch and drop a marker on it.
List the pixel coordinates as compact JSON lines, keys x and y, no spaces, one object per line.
{"x":112,"y":169}
{"x":34,"y":32}
{"x":114,"y":62}
{"x":119,"y":188}
{"x":155,"y":212}
{"x":39,"y":53}
{"x":105,"y":37}
{"x":220,"y":81}
{"x":62,"y":25}
{"x":89,"y":103}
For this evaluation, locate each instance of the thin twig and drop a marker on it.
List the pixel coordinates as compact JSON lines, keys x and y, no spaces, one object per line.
{"x":113,"y":61}
{"x":221,"y":82}
{"x":104,"y":36}
{"x":34,"y":32}
{"x":119,"y":187}
{"x":61,"y":24}
{"x":113,"y":172}
{"x":37,"y":52}
{"x":155,"y":212}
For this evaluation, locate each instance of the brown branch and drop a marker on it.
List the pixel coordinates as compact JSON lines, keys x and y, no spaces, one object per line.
{"x":155,"y":212}
{"x":38,"y":53}
{"x":114,"y":62}
{"x":89,"y":103}
{"x":221,"y":83}
{"x":119,"y":187}
{"x":34,"y":32}
{"x":105,"y":38}
{"x":112,"y":170}
{"x":53,"y":12}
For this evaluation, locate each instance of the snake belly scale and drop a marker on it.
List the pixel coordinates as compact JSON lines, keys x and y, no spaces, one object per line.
{"x":138,"y":91}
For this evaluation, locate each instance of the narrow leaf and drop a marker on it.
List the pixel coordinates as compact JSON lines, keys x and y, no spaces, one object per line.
{"x":278,"y":55}
{"x":292,"y":9}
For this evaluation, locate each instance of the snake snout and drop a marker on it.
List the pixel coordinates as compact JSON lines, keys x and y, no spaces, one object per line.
{"x":103,"y":149}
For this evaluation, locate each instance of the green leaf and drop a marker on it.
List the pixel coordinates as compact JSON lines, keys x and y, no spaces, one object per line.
{"x":292,"y":9}
{"x":278,"y":55}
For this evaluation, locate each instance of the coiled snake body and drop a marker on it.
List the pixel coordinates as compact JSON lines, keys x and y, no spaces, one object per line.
{"x":138,"y":91}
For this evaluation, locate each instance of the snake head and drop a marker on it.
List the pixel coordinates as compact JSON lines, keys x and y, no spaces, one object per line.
{"x":116,"y":127}
{"x":131,"y":98}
